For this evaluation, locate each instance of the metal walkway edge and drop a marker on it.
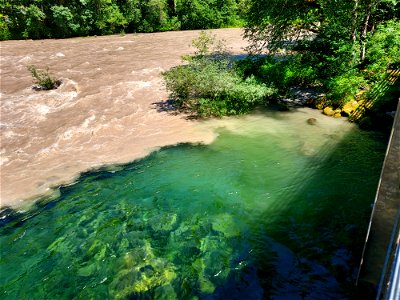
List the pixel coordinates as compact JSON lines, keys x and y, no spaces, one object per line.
{"x":380,"y":264}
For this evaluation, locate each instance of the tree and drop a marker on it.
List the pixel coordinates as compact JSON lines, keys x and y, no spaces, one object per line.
{"x":66,"y":18}
{"x":198,"y":14}
{"x":330,"y":38}
{"x":64,"y":21}
{"x":340,"y":26}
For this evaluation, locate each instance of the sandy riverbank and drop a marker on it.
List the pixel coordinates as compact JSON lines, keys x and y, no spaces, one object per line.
{"x":103,"y":113}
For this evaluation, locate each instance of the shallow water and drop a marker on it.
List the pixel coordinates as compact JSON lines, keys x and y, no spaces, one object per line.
{"x":274,"y":208}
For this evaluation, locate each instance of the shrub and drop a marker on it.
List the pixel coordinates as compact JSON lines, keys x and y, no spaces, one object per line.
{"x":4,"y":31}
{"x":43,"y":79}
{"x":211,"y":88}
{"x":344,"y":87}
{"x":209,"y":85}
{"x":281,"y":74}
{"x":383,"y":49}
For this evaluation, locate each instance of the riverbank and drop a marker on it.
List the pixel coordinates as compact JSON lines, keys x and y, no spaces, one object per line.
{"x":104,"y":113}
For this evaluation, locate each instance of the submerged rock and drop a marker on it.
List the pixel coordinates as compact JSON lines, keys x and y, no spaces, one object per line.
{"x":216,"y":257}
{"x":311,"y":121}
{"x":163,"y":222}
{"x":88,"y":270}
{"x":166,"y":292}
{"x":141,"y":274}
{"x":224,"y":223}
{"x":206,"y":286}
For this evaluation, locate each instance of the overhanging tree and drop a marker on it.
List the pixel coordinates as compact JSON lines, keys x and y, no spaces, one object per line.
{"x":339,"y":26}
{"x":331,"y":37}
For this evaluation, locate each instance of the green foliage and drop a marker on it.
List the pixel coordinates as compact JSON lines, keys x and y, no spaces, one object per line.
{"x":343,"y":46}
{"x":383,"y":48}
{"x":109,"y":18}
{"x":34,"y":21}
{"x":209,"y":86}
{"x":43,"y":78}
{"x":287,"y":73}
{"x":198,"y":14}
{"x":207,"y":44}
{"x":282,"y":74}
{"x":47,"y":19}
{"x":64,"y":20}
{"x":4,"y":31}
{"x":344,"y":87}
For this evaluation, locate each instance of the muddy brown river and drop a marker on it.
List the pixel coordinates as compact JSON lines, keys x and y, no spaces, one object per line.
{"x":104,"y":112}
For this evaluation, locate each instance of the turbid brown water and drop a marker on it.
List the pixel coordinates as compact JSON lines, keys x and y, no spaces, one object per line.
{"x":103,"y":113}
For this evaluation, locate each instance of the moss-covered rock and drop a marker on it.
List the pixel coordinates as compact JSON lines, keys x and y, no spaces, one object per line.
{"x":224,"y":223}
{"x":206,"y":286}
{"x":87,"y":270}
{"x":215,"y":255}
{"x":166,"y":292}
{"x":319,"y":106}
{"x":141,"y":273}
{"x":163,"y":222}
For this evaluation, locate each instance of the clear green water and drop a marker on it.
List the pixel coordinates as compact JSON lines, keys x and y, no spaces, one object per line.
{"x":273,"y":209}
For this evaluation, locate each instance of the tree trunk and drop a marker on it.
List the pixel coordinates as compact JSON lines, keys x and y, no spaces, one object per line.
{"x":354,"y":25}
{"x":171,"y":6}
{"x":363,"y":35}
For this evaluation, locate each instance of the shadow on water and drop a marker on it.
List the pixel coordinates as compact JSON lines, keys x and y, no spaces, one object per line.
{"x":318,"y":231}
{"x":304,"y":244}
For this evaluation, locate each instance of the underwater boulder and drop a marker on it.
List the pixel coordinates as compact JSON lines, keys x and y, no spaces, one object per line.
{"x":165,"y":292}
{"x":87,"y":270}
{"x":163,"y":222}
{"x":136,"y":238}
{"x":225,"y":224}
{"x":141,"y":274}
{"x":156,"y":273}
{"x":206,"y":286}
{"x":215,"y":256}
{"x":311,"y":121}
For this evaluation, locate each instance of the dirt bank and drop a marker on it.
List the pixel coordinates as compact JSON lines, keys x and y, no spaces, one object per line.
{"x":103,"y":113}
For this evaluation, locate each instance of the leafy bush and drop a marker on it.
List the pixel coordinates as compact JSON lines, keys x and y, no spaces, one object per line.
{"x":198,"y":14}
{"x":383,"y":49}
{"x":207,"y":44}
{"x":4,"y":31}
{"x":281,"y":74}
{"x":344,"y":87}
{"x":44,"y":79}
{"x":209,"y":86}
